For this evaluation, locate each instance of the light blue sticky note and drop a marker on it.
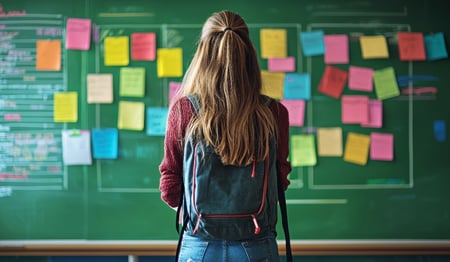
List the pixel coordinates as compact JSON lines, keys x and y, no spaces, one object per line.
{"x":435,"y":46}
{"x":156,"y":120}
{"x":297,"y":86}
{"x":440,"y":130}
{"x":105,"y":143}
{"x":312,"y":43}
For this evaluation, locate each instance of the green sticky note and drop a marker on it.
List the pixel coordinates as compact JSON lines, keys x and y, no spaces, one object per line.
{"x":385,"y":83}
{"x":132,"y":81}
{"x":303,"y":150}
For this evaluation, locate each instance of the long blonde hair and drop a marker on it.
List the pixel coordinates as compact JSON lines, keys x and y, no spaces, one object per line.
{"x":224,"y":75}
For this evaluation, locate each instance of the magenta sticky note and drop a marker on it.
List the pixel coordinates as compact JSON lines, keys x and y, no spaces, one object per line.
{"x":280,"y":64}
{"x":375,"y":114}
{"x":174,"y":88}
{"x":355,"y":109}
{"x":381,"y":146}
{"x":78,"y":33}
{"x":336,"y":49}
{"x":360,"y":78}
{"x":296,"y":109}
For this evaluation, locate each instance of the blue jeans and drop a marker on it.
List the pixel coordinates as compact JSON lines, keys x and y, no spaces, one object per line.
{"x":195,"y":249}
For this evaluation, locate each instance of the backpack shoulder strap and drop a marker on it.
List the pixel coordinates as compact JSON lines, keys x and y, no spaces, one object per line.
{"x":282,"y":203}
{"x":195,"y":103}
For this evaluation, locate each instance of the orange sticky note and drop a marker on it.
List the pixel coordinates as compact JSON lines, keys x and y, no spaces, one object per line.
{"x":333,"y":81}
{"x":48,"y":55}
{"x":411,"y":46}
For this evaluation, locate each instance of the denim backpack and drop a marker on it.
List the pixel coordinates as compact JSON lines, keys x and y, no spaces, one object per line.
{"x":224,"y":201}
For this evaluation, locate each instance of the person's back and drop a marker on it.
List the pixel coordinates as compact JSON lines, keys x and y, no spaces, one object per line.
{"x":233,"y":119}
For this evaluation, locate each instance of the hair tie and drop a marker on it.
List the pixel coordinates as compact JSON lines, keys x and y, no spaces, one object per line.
{"x":227,"y":28}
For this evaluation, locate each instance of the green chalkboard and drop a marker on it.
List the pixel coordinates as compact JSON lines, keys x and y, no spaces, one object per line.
{"x":118,"y":199}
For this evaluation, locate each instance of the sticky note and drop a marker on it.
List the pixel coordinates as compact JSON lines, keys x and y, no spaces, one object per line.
{"x":386,"y":85}
{"x":276,"y":64}
{"x":170,"y":62}
{"x":78,"y":33}
{"x":272,"y":84}
{"x":116,"y":49}
{"x":375,"y":114}
{"x":273,"y":43}
{"x":435,"y":46}
{"x":76,"y":147}
{"x":329,"y":140}
{"x":143,"y":46}
{"x":131,"y":115}
{"x":355,"y":109}
{"x":411,"y":46}
{"x":357,"y":148}
{"x":381,"y":146}
{"x":303,"y":150}
{"x":312,"y":43}
{"x":333,"y":81}
{"x":440,"y":130}
{"x":48,"y":55}
{"x":374,"y":47}
{"x":105,"y":143}
{"x":132,"y":81}
{"x":360,"y":78}
{"x":156,"y":119}
{"x":65,"y":107}
{"x":297,"y":86}
{"x":336,"y":49}
{"x":296,"y":109}
{"x":174,"y":89}
{"x":100,"y":88}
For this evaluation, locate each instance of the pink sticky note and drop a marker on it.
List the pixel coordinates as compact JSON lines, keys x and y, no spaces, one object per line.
{"x":336,"y":49}
{"x":277,"y":64}
{"x":355,"y":109}
{"x":174,"y":87}
{"x":78,"y":33}
{"x":360,"y":78}
{"x":296,"y":109}
{"x":375,"y":114}
{"x":381,"y":146}
{"x":143,"y":46}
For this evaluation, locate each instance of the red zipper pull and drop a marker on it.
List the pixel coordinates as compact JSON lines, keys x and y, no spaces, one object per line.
{"x":257,"y":228}
{"x":254,"y":168}
{"x":197,"y":224}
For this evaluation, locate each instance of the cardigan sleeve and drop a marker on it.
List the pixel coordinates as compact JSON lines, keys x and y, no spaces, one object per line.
{"x":171,"y":167}
{"x":284,"y":166}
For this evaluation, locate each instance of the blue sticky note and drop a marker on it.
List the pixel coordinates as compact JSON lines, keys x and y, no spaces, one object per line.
{"x":440,"y":130}
{"x":297,"y":86}
{"x":156,"y":120}
{"x":105,"y":143}
{"x":435,"y":46}
{"x":312,"y":43}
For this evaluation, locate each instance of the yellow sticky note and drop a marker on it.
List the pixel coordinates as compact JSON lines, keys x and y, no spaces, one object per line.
{"x":48,"y":55}
{"x":170,"y":62}
{"x":117,"y":51}
{"x":65,"y":107}
{"x":131,"y":115}
{"x":99,"y":88}
{"x":272,"y":84}
{"x":357,"y":148}
{"x":329,"y":140}
{"x":374,"y":47}
{"x":273,"y":43}
{"x":303,"y":150}
{"x":132,"y":81}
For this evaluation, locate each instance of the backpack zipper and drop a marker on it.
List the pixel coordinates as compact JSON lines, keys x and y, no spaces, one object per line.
{"x":250,"y":215}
